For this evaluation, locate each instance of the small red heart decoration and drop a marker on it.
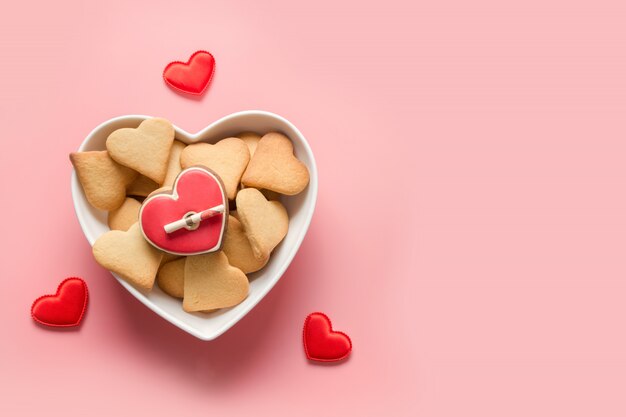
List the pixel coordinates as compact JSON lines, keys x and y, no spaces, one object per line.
{"x":64,"y":309}
{"x":193,"y":76}
{"x":321,"y":343}
{"x":194,"y":190}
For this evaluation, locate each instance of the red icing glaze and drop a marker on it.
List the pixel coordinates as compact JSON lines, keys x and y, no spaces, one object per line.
{"x":195,"y":189}
{"x":66,"y":308}
{"x":191,"y":77}
{"x":321,"y":343}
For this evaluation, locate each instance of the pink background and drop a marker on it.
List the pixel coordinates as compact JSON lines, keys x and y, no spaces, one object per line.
{"x":470,"y":230}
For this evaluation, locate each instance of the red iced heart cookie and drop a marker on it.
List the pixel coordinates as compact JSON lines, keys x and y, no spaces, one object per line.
{"x":196,"y":190}
{"x":321,"y":343}
{"x":191,"y":77}
{"x":64,"y":309}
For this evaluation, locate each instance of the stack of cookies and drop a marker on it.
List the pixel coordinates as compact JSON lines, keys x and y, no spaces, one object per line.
{"x":256,"y":171}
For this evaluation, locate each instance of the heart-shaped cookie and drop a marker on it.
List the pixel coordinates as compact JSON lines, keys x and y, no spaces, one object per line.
{"x":192,"y":76}
{"x":238,"y":249}
{"x":265,"y":222}
{"x":212,"y":283}
{"x":125,"y":216}
{"x":251,"y":139}
{"x":65,"y":308}
{"x":300,"y":207}
{"x":171,"y":278}
{"x":274,"y":166}
{"x":104,"y":181}
{"x":145,"y":149}
{"x":228,"y":158}
{"x":142,"y":186}
{"x":195,"y":191}
{"x":173,"y":164}
{"x":128,"y":255}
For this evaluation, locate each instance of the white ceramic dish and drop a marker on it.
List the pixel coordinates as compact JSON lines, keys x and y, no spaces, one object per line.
{"x":300,"y":208}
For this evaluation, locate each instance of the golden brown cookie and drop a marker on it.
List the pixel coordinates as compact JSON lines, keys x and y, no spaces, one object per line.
{"x":169,"y":257}
{"x":170,"y":278}
{"x":129,"y":256}
{"x":238,"y":250}
{"x":141,"y":187}
{"x":173,"y":164}
{"x":211,"y":283}
{"x":124,"y":216}
{"x":270,"y":195}
{"x":163,"y":189}
{"x":228,"y":158}
{"x":274,"y":166}
{"x":103,"y":180}
{"x":145,"y":149}
{"x":251,"y":139}
{"x":265,"y":222}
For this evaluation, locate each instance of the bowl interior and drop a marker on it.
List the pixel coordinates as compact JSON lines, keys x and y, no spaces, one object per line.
{"x":299,"y":207}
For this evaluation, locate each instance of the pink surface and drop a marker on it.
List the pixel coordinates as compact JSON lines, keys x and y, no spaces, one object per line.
{"x":493,"y":284}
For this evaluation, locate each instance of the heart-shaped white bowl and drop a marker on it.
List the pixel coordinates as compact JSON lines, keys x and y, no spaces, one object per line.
{"x":300,"y":208}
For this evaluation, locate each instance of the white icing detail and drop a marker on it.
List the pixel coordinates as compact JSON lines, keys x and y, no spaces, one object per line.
{"x":189,"y":221}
